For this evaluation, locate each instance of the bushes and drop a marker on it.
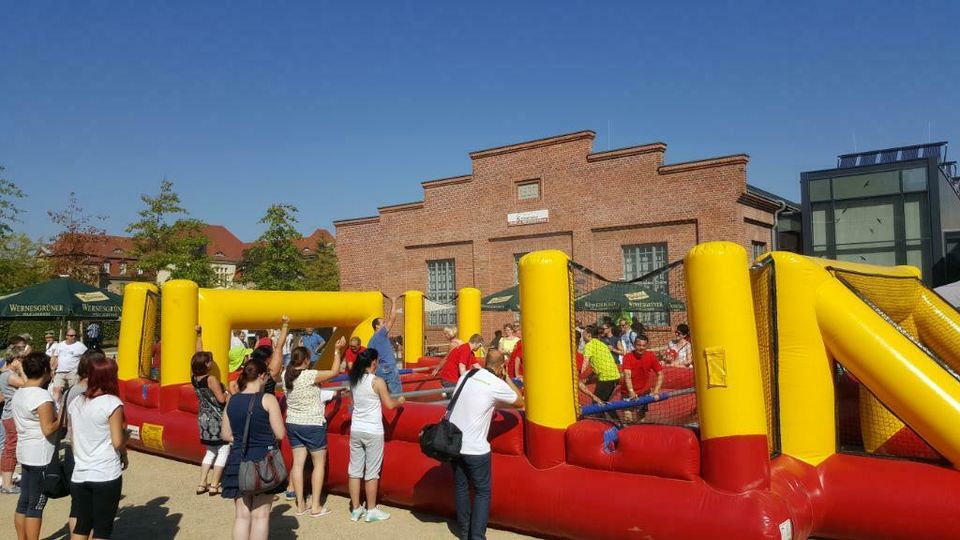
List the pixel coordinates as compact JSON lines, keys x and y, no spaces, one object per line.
{"x":109,"y":330}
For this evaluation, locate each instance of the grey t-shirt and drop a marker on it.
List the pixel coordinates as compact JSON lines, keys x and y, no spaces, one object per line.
{"x":7,"y":392}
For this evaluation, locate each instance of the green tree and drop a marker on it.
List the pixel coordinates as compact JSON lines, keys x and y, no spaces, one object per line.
{"x":275,"y":262}
{"x":323,"y":270}
{"x":75,"y":250}
{"x":20,"y":263}
{"x":8,"y":209}
{"x":175,"y":245}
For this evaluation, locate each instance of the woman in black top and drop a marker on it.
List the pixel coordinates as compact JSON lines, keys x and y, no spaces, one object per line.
{"x":211,"y":397}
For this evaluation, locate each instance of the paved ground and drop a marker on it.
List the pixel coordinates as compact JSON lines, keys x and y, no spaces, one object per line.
{"x":159,"y":504}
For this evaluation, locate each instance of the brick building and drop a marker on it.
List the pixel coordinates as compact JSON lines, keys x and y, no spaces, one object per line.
{"x":621,"y":213}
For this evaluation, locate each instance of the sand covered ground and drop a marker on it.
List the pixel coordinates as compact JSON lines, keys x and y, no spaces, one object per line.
{"x":158,"y":504}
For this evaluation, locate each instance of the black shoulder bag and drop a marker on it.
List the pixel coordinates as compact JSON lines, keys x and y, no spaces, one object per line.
{"x":442,"y":440}
{"x":57,"y":473}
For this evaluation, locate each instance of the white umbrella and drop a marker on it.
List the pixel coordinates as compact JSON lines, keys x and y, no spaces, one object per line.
{"x":950,"y":293}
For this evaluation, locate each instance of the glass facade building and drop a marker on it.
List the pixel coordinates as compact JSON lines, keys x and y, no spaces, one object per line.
{"x":887,"y":207}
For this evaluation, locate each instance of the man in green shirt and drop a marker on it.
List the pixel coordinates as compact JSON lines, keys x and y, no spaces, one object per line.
{"x":600,"y":358}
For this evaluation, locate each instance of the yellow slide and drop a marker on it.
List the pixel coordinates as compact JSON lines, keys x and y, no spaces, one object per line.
{"x":902,"y":342}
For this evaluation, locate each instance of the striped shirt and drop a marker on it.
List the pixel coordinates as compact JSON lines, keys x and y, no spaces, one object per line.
{"x":601,"y":360}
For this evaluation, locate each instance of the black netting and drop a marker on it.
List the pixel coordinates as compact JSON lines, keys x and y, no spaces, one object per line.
{"x":866,"y":426}
{"x":652,"y":304}
{"x":763,"y":281}
{"x":864,"y":423}
{"x":149,"y":366}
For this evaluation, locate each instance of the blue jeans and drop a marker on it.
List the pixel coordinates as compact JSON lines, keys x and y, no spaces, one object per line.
{"x":391,"y":376}
{"x":472,"y":518}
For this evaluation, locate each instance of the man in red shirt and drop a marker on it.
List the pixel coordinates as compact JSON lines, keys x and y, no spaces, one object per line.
{"x":459,"y":361}
{"x":515,"y":364}
{"x":638,"y":365}
{"x":354,"y":350}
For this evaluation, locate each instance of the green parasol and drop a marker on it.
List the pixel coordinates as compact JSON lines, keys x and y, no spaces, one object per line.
{"x":505,"y":300}
{"x":631,"y":297}
{"x":61,"y":298}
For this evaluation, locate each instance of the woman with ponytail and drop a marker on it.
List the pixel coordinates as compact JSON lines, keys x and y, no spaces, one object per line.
{"x":366,"y":435}
{"x":252,"y":520}
{"x":306,"y":423}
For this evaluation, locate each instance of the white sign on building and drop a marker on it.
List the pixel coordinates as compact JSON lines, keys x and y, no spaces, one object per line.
{"x":527,"y":218}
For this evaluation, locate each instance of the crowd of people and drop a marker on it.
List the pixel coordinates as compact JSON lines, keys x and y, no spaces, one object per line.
{"x":67,"y":393}
{"x":70,"y":391}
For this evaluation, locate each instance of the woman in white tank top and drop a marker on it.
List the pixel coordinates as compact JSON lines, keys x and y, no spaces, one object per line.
{"x":370,"y":394}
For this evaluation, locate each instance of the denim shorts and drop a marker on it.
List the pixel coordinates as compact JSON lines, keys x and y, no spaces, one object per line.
{"x":312,"y":437}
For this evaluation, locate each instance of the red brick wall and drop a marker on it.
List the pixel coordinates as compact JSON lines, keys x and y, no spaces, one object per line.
{"x":597,"y":203}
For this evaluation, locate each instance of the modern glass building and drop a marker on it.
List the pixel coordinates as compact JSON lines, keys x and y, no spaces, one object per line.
{"x":892,"y":206}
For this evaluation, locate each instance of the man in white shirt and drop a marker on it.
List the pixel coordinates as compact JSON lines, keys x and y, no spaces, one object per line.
{"x":65,"y":364}
{"x":472,"y":414}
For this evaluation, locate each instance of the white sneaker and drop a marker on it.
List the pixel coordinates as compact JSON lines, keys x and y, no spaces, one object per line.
{"x":376,"y":514}
{"x":358,"y":513}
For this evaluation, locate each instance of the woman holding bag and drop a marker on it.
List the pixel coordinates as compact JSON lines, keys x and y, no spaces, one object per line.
{"x":255,"y":416}
{"x":99,"y":450}
{"x":36,"y":419}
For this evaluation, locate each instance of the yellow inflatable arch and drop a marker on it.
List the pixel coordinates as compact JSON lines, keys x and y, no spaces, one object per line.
{"x":184,"y":305}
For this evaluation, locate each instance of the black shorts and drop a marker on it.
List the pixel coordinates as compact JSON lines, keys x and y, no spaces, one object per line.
{"x":95,"y":505}
{"x":32,"y":500}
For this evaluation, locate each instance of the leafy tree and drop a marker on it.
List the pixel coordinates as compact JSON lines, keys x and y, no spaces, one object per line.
{"x":323,"y":271}
{"x":8,"y":210}
{"x":75,"y":250}
{"x":179,"y":247}
{"x":20,"y":263}
{"x":275,"y":262}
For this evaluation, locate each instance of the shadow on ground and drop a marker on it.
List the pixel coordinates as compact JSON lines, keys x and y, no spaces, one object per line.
{"x":282,"y":525}
{"x":151,"y":520}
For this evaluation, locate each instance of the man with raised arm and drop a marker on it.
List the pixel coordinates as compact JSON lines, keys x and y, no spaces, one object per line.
{"x":387,"y":368}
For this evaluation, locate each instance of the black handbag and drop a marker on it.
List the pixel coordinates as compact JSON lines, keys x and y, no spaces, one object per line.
{"x":57,"y":473}
{"x":442,"y":441}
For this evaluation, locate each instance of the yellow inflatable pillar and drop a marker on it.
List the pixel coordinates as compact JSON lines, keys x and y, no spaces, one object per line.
{"x":325,"y":360}
{"x":178,"y":335}
{"x":133,"y":345}
{"x":805,"y":385}
{"x":910,"y":383}
{"x":546,"y":316}
{"x":468,"y":313}
{"x":733,"y":425}
{"x":412,"y":327}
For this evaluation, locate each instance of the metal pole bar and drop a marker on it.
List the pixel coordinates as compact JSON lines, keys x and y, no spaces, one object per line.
{"x":341,"y":378}
{"x":631,"y":403}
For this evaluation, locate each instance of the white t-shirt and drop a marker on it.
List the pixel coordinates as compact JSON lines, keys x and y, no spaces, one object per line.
{"x":235,"y":342}
{"x":288,"y":345}
{"x":32,"y":447}
{"x":68,"y":356}
{"x":52,"y":348}
{"x":96,"y":460}
{"x":474,"y":409}
{"x":305,"y":402}
{"x":367,"y":412}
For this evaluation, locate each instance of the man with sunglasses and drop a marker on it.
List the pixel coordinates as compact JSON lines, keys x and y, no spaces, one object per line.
{"x":65,"y":364}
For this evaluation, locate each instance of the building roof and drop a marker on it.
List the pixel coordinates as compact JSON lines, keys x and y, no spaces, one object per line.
{"x":223,"y":246}
{"x":754,"y":190}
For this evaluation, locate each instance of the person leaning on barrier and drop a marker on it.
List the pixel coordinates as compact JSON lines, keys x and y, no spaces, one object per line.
{"x":638,"y":366}
{"x":474,"y":411}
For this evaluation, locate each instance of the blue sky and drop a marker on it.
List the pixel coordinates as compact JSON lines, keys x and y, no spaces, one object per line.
{"x":343,"y":107}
